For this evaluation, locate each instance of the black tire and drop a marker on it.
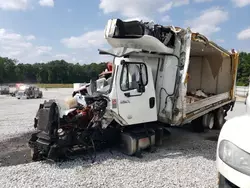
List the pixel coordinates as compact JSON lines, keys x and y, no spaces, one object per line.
{"x":197,"y":125}
{"x":223,"y":183}
{"x":219,"y":118}
{"x":35,"y":156}
{"x":210,"y":121}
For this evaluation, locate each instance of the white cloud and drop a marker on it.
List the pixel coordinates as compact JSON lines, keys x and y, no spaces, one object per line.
{"x":138,"y":8}
{"x":166,"y":19}
{"x":241,"y":3}
{"x":244,"y":34}
{"x":202,"y":1}
{"x":14,"y":4}
{"x":208,"y":22}
{"x":178,"y":3}
{"x":17,"y":46}
{"x":30,"y":37}
{"x":62,"y":56}
{"x":166,"y":7}
{"x":43,"y":49}
{"x":48,"y":3}
{"x":21,"y":47}
{"x":87,"y":40}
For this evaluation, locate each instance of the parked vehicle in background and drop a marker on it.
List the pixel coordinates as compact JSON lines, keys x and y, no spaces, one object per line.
{"x":4,"y":89}
{"x":29,"y":92}
{"x":233,"y":152}
{"x":14,"y":88}
{"x":13,"y":91}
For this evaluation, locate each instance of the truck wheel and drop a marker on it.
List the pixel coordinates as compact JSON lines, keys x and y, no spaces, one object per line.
{"x":219,"y":118}
{"x":208,"y":120}
{"x":197,"y":125}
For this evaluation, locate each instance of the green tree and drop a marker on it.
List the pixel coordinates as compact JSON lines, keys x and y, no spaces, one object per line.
{"x":243,"y":69}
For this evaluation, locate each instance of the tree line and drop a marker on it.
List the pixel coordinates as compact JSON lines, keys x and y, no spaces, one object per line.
{"x":60,"y":71}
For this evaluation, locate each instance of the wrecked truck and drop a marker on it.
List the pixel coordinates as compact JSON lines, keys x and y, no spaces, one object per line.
{"x":28,"y":92}
{"x":161,"y":76}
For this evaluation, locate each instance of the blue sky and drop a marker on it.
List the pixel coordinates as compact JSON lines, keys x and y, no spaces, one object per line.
{"x":43,"y":30}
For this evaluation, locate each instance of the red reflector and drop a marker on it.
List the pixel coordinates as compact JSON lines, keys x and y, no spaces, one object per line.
{"x":144,"y":139}
{"x":114,"y":103}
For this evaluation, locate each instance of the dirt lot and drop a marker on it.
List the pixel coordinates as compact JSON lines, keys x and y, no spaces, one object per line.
{"x":183,"y":153}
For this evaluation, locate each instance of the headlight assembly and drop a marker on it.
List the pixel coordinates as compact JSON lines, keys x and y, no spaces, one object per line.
{"x":234,"y":157}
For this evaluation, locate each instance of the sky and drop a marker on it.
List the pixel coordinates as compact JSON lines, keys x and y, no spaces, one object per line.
{"x":44,"y":30}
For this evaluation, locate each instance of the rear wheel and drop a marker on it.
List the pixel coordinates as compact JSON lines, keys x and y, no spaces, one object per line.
{"x":219,"y":118}
{"x":208,"y":120}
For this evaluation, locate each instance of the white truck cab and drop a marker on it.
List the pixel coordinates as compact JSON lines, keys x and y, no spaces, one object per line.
{"x":233,"y":152}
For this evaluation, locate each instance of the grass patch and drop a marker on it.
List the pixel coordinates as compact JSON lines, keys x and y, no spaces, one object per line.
{"x":55,"y":85}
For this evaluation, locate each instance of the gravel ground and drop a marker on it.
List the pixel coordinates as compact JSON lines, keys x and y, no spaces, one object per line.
{"x":185,"y":160}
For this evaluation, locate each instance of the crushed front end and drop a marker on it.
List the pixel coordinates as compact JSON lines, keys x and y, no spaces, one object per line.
{"x":62,"y":132}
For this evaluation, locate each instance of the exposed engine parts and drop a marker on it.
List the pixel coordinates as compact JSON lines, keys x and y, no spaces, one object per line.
{"x":78,"y":126}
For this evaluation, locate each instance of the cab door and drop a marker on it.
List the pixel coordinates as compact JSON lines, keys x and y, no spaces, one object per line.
{"x":136,"y":93}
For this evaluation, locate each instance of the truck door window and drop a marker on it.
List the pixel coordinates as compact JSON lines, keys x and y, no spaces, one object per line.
{"x":133,"y":74}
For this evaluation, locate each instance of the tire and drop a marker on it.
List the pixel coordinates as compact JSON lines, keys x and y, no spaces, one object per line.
{"x":208,"y":121}
{"x":35,"y":156}
{"x":219,"y":118}
{"x":197,"y":125}
{"x":224,"y":183}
